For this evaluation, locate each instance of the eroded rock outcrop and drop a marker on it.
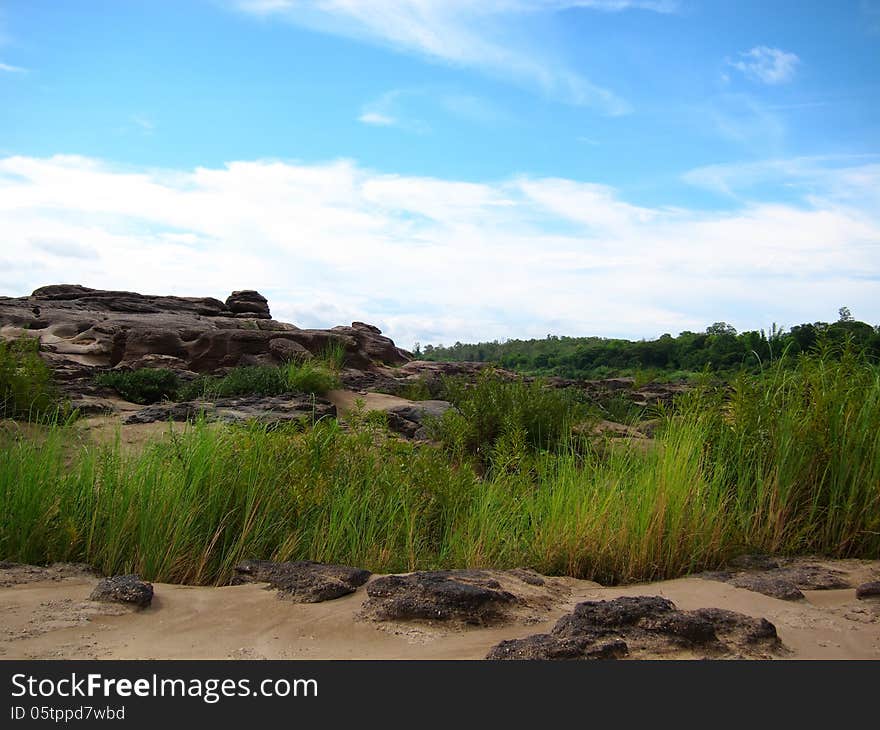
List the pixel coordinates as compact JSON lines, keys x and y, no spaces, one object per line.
{"x":92,"y":327}
{"x":303,"y":581}
{"x":781,"y":578}
{"x":644,"y":626}
{"x":271,"y":410}
{"x":465,"y":597}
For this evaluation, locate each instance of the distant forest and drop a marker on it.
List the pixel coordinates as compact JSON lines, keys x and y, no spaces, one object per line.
{"x":720,"y":348}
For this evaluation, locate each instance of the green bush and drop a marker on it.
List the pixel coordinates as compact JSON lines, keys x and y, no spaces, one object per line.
{"x":143,"y":386}
{"x":493,"y":407}
{"x":26,"y":387}
{"x":303,"y":377}
{"x":310,"y":377}
{"x":247,"y":380}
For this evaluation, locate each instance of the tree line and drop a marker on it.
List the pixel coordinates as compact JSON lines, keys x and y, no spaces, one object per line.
{"x":720,"y":348}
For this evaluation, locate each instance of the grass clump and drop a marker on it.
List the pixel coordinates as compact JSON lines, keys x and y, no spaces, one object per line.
{"x":144,"y":386}
{"x":26,"y":388}
{"x":311,"y":376}
{"x":494,"y":409}
{"x":153,"y":385}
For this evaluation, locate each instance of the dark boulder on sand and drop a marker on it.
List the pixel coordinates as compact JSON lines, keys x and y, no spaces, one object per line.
{"x":463,"y":597}
{"x":869,"y":590}
{"x":124,"y":589}
{"x":644,"y":627}
{"x":303,"y":581}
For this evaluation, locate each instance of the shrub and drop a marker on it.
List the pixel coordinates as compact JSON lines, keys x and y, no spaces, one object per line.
{"x":143,"y":386}
{"x":309,"y":377}
{"x":26,"y":387}
{"x":494,"y":407}
{"x":246,"y":380}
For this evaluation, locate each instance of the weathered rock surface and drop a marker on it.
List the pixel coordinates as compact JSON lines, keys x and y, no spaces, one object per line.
{"x":871,"y":589}
{"x":410,"y":420}
{"x":106,"y":328}
{"x":13,"y":574}
{"x":644,"y":626}
{"x":124,"y":589}
{"x":271,"y":410}
{"x":304,"y":581}
{"x":250,"y":303}
{"x":783,"y":578}
{"x":467,"y":597}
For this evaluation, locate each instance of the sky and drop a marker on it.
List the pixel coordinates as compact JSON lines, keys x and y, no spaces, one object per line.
{"x":450,"y":170}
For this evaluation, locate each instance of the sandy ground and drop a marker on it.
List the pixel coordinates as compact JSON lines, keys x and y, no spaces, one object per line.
{"x":346,"y":400}
{"x":47,"y":619}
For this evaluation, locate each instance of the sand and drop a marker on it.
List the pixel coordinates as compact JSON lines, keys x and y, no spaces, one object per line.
{"x":51,"y":619}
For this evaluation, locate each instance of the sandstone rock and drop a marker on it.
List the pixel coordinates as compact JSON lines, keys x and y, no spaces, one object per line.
{"x":868,"y":590}
{"x":124,"y":589}
{"x":99,"y":328}
{"x":249,"y":303}
{"x":303,"y":581}
{"x":288,"y":350}
{"x":273,"y":410}
{"x":644,"y":626}
{"x":410,"y":420}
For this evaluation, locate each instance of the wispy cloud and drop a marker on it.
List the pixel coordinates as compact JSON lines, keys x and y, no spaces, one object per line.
{"x":12,"y":69}
{"x":745,"y":119}
{"x":146,"y":125}
{"x":377,"y":119}
{"x":767,"y":65}
{"x":408,"y":108}
{"x":465,"y":33}
{"x":832,"y":179}
{"x":439,"y":260}
{"x":387,"y":111}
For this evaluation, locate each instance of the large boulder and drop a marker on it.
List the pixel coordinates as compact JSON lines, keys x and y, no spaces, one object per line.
{"x":128,"y":589}
{"x":250,"y":303}
{"x":645,"y":627}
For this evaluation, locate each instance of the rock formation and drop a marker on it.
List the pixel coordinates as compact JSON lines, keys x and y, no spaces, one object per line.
{"x":645,"y":626}
{"x":116,"y":328}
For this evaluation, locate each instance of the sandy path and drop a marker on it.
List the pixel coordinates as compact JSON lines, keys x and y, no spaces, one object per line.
{"x":54,"y":619}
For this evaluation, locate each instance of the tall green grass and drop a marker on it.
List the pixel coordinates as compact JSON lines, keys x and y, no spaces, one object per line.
{"x":787,"y":461}
{"x":151,"y":385}
{"x":27,"y":391}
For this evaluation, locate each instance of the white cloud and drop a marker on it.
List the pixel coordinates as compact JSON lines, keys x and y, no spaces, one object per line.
{"x":480,"y":35}
{"x":767,"y":65}
{"x":441,"y":260}
{"x":377,"y":119}
{"x":11,"y":69}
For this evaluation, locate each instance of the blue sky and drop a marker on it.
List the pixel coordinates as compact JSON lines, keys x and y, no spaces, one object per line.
{"x":450,"y":170}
